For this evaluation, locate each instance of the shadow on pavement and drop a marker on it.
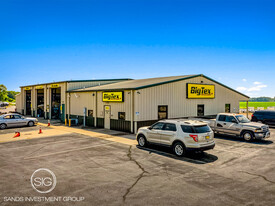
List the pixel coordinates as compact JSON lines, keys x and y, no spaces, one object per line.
{"x":193,"y":157}
{"x":240,"y":139}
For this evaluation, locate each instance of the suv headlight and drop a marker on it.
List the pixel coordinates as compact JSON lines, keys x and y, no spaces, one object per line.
{"x":258,"y":129}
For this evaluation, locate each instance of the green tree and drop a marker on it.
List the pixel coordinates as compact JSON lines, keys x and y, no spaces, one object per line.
{"x":11,"y":94}
{"x":3,"y":92}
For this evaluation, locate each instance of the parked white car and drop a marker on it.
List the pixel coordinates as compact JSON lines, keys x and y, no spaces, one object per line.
{"x":16,"y":120}
{"x":182,"y":135}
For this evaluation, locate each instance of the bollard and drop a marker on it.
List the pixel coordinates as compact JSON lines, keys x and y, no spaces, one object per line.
{"x":66,"y":122}
{"x":49,"y":123}
{"x":70,"y":122}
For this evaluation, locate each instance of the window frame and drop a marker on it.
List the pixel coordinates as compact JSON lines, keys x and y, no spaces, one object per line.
{"x":163,"y":128}
{"x":159,"y":106}
{"x":157,"y":124}
{"x":221,"y":116}
{"x":123,"y":113}
{"x":231,"y":119}
{"x":229,"y":108}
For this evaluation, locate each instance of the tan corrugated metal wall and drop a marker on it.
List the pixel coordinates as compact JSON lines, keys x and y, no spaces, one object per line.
{"x":116,"y":106}
{"x":81,"y":100}
{"x":174,"y":95}
{"x":18,"y":101}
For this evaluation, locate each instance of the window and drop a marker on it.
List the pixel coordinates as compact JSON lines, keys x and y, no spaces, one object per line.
{"x":162,"y":112}
{"x":242,"y":119}
{"x":170,"y":127}
{"x":16,"y":116}
{"x":202,"y":129}
{"x":187,"y":129}
{"x":227,"y":108}
{"x":229,"y":118}
{"x":195,"y":129}
{"x":222,"y":118}
{"x":200,"y":111}
{"x":158,"y":126}
{"x":90,"y":113}
{"x":8,"y":117}
{"x":121,"y":115}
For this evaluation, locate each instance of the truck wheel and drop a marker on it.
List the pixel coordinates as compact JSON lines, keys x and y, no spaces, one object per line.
{"x":248,"y":136}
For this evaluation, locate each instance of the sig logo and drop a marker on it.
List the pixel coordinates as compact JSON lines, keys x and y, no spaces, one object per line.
{"x":43,"y":180}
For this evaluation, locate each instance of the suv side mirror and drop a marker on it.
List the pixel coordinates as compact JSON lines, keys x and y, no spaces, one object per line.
{"x":234,"y":121}
{"x":150,"y":128}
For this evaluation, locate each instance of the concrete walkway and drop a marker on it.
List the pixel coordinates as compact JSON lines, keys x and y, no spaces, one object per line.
{"x":57,"y":128}
{"x":110,"y":135}
{"x":33,"y":134}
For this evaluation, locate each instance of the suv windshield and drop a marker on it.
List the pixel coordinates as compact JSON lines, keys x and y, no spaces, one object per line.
{"x":242,"y":119}
{"x":195,"y":129}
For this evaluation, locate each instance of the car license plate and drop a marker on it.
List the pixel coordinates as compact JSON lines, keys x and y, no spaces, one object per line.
{"x":207,"y":137}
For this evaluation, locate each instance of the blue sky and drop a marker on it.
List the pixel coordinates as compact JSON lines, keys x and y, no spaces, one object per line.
{"x":52,"y":40}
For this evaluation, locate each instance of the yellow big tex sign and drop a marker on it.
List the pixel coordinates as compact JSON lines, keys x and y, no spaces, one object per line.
{"x":200,"y":91}
{"x":112,"y":96}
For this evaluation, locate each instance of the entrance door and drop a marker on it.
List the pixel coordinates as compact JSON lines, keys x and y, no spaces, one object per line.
{"x":56,"y":100}
{"x":200,"y":112}
{"x":107,"y":116}
{"x":40,"y":102}
{"x":28,"y":102}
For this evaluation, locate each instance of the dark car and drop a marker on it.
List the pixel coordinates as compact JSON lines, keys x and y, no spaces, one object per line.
{"x":265,"y":116}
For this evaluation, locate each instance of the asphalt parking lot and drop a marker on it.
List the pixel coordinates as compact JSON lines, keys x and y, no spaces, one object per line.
{"x":110,"y":173}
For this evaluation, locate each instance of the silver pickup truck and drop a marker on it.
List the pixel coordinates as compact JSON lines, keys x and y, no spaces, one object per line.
{"x":238,"y":125}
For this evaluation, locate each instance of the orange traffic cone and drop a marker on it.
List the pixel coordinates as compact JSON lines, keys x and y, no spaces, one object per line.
{"x":17,"y":134}
{"x":49,"y":123}
{"x":40,"y":131}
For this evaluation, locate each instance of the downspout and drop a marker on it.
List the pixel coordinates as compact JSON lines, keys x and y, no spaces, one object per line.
{"x":69,"y":107}
{"x":132,"y":111}
{"x":95,"y":102}
{"x":247,"y":108}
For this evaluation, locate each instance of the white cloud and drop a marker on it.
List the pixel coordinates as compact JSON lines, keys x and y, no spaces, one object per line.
{"x":241,"y":89}
{"x":257,"y":88}
{"x":244,"y":80}
{"x":254,"y":90}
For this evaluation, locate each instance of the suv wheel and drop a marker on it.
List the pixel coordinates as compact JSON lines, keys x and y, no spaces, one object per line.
{"x":3,"y":126}
{"x":248,"y":136}
{"x":142,"y":141}
{"x":30,"y":124}
{"x":179,"y":149}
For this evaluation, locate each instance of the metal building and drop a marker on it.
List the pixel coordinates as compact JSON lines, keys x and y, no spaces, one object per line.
{"x":128,"y":105}
{"x":48,"y":100}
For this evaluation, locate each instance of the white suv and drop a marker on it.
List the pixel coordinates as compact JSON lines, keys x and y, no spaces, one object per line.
{"x":182,"y":135}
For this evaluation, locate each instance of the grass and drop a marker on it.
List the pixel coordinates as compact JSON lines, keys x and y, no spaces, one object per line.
{"x":257,"y":104}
